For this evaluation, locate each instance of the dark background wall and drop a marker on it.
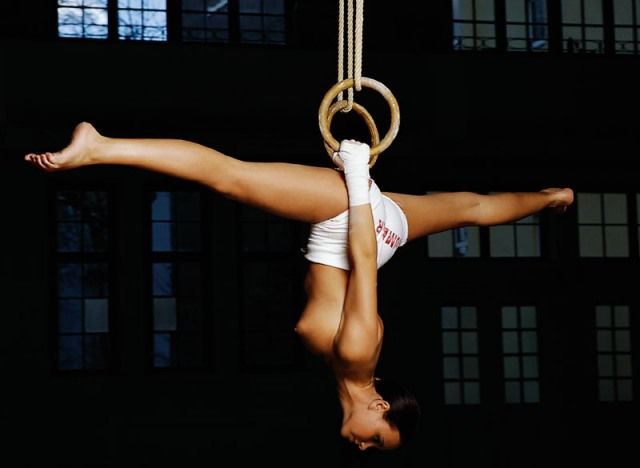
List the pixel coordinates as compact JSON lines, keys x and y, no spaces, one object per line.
{"x":483,"y":121}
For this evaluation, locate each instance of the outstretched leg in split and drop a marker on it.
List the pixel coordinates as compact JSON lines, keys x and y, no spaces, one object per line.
{"x":298,"y":192}
{"x":428,"y":214}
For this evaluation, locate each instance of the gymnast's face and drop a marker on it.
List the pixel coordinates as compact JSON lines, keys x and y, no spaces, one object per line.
{"x":367,"y":428}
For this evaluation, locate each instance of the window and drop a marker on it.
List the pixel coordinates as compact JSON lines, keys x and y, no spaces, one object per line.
{"x":520,"y":239}
{"x":582,"y":26}
{"x":626,"y":17}
{"x":638,"y":218}
{"x":602,"y":225}
{"x":266,"y":233}
{"x":87,"y":19}
{"x":613,"y":340}
{"x":474,"y":25}
{"x":261,"y":21}
{"x":82,"y":270}
{"x":176,"y":278}
{"x":205,"y":20}
{"x":461,"y":366}
{"x":270,"y":282}
{"x":461,"y":242}
{"x":242,"y":21}
{"x":520,"y":354}
{"x":142,"y":20}
{"x":527,"y":25}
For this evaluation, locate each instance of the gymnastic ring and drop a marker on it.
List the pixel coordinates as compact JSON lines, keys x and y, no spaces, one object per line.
{"x":366,"y":116}
{"x":336,"y":89}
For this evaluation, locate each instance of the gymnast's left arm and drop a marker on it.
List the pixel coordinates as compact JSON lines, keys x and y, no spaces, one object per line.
{"x":359,"y":336}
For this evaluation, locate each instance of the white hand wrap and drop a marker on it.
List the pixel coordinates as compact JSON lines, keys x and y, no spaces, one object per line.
{"x":355,"y":156}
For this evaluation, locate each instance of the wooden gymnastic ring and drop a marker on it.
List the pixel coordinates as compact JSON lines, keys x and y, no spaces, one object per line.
{"x":336,"y":89}
{"x":366,"y":116}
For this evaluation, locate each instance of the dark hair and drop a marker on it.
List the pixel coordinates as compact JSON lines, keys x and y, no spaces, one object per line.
{"x":404,"y":411}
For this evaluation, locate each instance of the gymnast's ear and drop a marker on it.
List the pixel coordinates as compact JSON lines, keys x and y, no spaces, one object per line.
{"x":378,"y":404}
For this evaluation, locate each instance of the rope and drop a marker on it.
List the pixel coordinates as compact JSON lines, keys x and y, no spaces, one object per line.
{"x":354,"y":41}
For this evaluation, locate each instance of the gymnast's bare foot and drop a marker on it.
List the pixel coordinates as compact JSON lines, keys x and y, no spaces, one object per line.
{"x":78,"y":153}
{"x":561,"y":198}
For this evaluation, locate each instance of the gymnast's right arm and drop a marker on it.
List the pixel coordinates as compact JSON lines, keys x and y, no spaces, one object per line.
{"x":357,"y":343}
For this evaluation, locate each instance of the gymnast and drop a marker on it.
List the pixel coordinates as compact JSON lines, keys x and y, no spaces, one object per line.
{"x":355,"y":229}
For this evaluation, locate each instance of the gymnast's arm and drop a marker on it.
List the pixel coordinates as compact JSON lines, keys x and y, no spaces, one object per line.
{"x":359,"y":337}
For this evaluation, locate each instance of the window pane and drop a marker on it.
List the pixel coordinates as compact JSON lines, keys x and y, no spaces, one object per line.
{"x":603,"y":316}
{"x":440,"y":244}
{"x":511,"y":367}
{"x":593,"y":11}
{"x":623,"y":365}
{"x":625,"y":390}
{"x":621,"y":316}
{"x":528,"y":317}
{"x":471,"y":393}
{"x":69,"y":280}
{"x":589,"y":208}
{"x":512,"y":392}
{"x":450,"y":342}
{"x":606,"y":390}
{"x":510,"y":342}
{"x":530,"y":367}
{"x":571,"y":11}
{"x":70,"y":316}
{"x":250,"y":6}
{"x":188,"y":237}
{"x":484,"y":10}
{"x":96,"y":315}
{"x":449,"y":317}
{"x":591,"y":242}
{"x":95,"y":351}
{"x":623,"y":340}
{"x":622,"y":12}
{"x":452,"y":393}
{"x":616,"y":241}
{"x":190,"y":314}
{"x":451,"y":367}
{"x":468,"y":317}
{"x":529,"y":342}
{"x":502,"y":241}
{"x":162,"y":278}
{"x":528,"y":241}
{"x":164,"y":314}
{"x":615,"y":208}
{"x":189,"y":279}
{"x":463,"y":9}
{"x":469,"y":342}
{"x":531,"y":392}
{"x":162,"y":235}
{"x":605,"y":365}
{"x":471,"y":368}
{"x":162,"y":350}
{"x":509,"y":317}
{"x":69,"y":237}
{"x":161,"y":206}
{"x":69,"y":352}
{"x":604,"y":340}
{"x":515,"y":10}
{"x":190,"y":349}
{"x":96,"y":280}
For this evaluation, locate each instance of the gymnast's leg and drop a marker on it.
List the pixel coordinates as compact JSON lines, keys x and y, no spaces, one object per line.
{"x":428,"y":214}
{"x":299,"y":192}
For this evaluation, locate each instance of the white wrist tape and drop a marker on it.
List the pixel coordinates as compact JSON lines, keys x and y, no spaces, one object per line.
{"x":355,"y":156}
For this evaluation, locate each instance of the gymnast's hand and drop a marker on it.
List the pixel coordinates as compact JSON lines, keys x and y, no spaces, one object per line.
{"x":352,"y":153}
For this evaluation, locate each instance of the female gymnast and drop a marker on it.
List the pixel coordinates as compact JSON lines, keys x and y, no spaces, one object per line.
{"x":355,"y":229}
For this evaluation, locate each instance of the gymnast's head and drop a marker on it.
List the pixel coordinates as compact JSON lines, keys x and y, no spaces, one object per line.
{"x":385,"y":423}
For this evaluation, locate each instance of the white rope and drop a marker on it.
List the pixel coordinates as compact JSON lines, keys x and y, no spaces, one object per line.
{"x":354,"y":46}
